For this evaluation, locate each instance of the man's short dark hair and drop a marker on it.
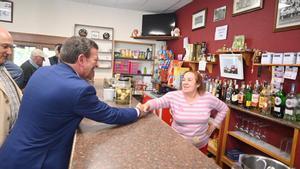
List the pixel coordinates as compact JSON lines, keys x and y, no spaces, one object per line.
{"x":75,"y":46}
{"x":58,"y":47}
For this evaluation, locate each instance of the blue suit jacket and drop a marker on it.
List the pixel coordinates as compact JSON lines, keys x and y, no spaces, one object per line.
{"x":54,"y":103}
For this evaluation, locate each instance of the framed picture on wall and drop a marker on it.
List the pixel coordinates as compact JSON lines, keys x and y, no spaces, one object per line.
{"x":219,"y":13}
{"x":231,"y":66}
{"x":287,"y":15}
{"x":198,"y":19}
{"x":244,"y":6}
{"x":6,"y":11}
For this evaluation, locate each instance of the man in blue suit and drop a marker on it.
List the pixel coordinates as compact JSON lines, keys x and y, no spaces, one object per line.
{"x":55,"y":100}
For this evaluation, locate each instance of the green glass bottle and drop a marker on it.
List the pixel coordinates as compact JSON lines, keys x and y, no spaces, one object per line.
{"x":290,"y":105}
{"x":248,"y":97}
{"x":279,"y":106}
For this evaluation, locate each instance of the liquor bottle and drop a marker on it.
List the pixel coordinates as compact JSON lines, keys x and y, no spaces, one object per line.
{"x":290,"y":105}
{"x":248,"y":97}
{"x":229,"y":92}
{"x":255,"y":95}
{"x":234,"y":96}
{"x":279,"y":104}
{"x":264,"y":103}
{"x":241,"y":95}
{"x":224,"y":89}
{"x":219,"y":90}
{"x":297,"y":109}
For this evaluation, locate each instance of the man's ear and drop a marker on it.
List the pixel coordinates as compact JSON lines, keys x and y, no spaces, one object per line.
{"x":80,"y":59}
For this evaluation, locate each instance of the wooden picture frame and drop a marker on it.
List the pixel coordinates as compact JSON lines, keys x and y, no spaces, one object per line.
{"x":6,"y":11}
{"x":287,"y":16}
{"x":199,"y":19}
{"x":245,"y":6}
{"x":231,"y":66}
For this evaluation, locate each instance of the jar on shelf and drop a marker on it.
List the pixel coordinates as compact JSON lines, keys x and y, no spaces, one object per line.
{"x":123,"y":91}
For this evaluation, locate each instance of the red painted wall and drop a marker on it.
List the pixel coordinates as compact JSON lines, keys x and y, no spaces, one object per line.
{"x":257,"y":26}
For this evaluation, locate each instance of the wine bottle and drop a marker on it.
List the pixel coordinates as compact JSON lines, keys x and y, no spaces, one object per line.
{"x":290,"y":105}
{"x":279,"y":104}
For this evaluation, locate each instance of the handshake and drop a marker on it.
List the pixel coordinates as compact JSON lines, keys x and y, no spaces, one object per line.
{"x":143,"y":108}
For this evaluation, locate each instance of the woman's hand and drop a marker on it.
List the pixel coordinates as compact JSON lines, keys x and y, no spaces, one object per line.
{"x":211,"y":129}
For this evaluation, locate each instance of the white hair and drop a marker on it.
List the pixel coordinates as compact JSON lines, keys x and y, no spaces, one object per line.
{"x":37,"y":52}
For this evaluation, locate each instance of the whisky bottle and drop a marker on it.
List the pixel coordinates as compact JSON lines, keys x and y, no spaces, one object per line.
{"x":255,"y":95}
{"x":248,"y":97}
{"x":234,"y":95}
{"x":264,"y":103}
{"x":241,"y":95}
{"x":229,"y":92}
{"x":290,"y":105}
{"x":279,"y":104}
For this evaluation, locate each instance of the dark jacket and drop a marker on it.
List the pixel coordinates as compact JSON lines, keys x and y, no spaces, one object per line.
{"x":53,"y":60}
{"x":28,"y":70}
{"x":55,"y":101}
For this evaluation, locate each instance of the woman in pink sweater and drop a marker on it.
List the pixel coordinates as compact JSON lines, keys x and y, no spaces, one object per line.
{"x":191,"y":108}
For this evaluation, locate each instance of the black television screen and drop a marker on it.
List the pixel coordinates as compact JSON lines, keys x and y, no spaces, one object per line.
{"x":158,"y":24}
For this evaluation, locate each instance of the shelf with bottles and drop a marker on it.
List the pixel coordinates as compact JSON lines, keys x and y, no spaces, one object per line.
{"x":258,"y":134}
{"x":247,"y":55}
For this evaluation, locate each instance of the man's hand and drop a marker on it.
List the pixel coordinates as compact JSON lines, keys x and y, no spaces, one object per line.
{"x":143,"y":108}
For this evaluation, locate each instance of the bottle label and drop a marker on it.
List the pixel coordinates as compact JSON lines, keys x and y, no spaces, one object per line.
{"x":248,"y":103}
{"x":291,"y":103}
{"x":234,"y":97}
{"x":263,"y":102}
{"x":240,"y":98}
{"x":288,"y":111}
{"x":254,"y":100}
{"x":277,"y":101}
{"x":277,"y":109}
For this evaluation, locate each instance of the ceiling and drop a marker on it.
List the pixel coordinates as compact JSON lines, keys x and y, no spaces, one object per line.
{"x":155,"y":6}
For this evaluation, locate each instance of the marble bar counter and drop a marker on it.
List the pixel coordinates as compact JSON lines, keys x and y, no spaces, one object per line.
{"x":146,"y":144}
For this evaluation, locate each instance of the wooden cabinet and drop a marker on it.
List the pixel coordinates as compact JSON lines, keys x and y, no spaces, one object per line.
{"x":104,"y":37}
{"x":254,"y":133}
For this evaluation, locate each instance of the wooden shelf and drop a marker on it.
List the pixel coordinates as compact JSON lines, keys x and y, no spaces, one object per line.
{"x":262,"y":146}
{"x":264,"y":116}
{"x":258,"y":64}
{"x":194,"y":65}
{"x":124,"y":58}
{"x":211,"y":148}
{"x":227,"y":161}
{"x":247,"y":55}
{"x":158,"y":38}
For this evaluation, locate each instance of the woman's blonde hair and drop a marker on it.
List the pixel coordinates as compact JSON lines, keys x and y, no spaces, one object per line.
{"x":199,"y":81}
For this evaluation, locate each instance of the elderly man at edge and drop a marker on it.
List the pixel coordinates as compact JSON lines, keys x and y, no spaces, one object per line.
{"x":32,"y":64}
{"x":10,"y":94}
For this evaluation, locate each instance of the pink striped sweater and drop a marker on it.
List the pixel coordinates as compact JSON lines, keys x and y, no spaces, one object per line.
{"x":190,"y":120}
